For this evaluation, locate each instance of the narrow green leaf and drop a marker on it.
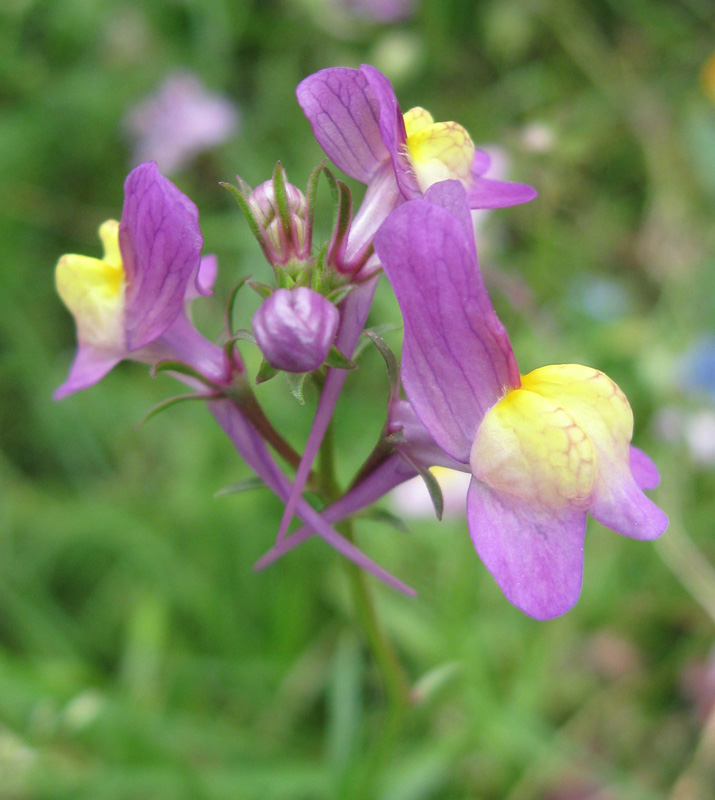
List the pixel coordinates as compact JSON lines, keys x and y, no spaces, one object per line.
{"x":255,"y":227}
{"x":282,"y":204}
{"x":340,"y":293}
{"x":338,"y":360}
{"x":262,"y":289}
{"x":365,"y":340}
{"x":246,"y":485}
{"x":434,"y":489}
{"x":243,"y":186}
{"x":172,"y":401}
{"x":318,"y":276}
{"x":242,"y":335}
{"x":296,"y":382}
{"x":182,"y":369}
{"x":311,"y":194}
{"x":265,"y":372}
{"x":386,"y":517}
{"x":231,"y":302}
{"x":393,"y":372}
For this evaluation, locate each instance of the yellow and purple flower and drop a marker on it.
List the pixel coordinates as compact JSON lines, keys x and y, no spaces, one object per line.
{"x":543,"y":449}
{"x":131,"y":302}
{"x":359,"y":124}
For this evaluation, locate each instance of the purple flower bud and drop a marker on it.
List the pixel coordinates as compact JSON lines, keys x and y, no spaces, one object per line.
{"x":263,"y":204}
{"x":295,"y":329}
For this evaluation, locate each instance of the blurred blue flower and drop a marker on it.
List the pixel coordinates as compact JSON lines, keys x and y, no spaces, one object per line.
{"x":697,"y":368}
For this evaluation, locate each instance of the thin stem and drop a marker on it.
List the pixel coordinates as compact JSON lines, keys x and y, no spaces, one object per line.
{"x":391,"y":672}
{"x":244,"y":398}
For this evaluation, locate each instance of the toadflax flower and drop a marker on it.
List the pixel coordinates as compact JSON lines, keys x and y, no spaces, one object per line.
{"x":130,"y":303}
{"x":358,"y":122}
{"x":295,"y":329}
{"x":543,"y":449}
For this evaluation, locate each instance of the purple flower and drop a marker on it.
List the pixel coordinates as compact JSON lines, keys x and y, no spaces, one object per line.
{"x":358,"y":122}
{"x":544,"y":449}
{"x":130,"y":303}
{"x":295,"y":329}
{"x":282,"y":242}
{"x":179,"y":122}
{"x":380,"y":10}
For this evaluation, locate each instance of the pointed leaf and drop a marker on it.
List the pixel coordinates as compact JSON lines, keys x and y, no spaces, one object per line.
{"x":228,"y":314}
{"x":338,"y":360}
{"x":242,"y":335}
{"x":172,"y":401}
{"x":245,"y":485}
{"x":433,"y":487}
{"x":296,"y":382}
{"x":386,"y":517}
{"x":265,"y":372}
{"x":393,"y":372}
{"x":387,"y":327}
{"x":248,"y":214}
{"x":182,"y":369}
{"x":261,"y":289}
{"x":282,"y":203}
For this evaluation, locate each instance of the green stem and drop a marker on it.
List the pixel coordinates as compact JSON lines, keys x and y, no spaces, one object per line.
{"x":243,"y":397}
{"x":393,"y":678}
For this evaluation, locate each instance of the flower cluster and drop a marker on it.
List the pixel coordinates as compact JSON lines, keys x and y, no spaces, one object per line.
{"x":541,"y":450}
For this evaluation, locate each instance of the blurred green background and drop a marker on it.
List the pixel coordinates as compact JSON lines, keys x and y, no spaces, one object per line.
{"x":140,"y":657}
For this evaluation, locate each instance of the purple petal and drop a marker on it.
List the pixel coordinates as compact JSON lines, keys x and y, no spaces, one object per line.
{"x":160,"y":241}
{"x":644,"y":471}
{"x":90,"y":365}
{"x":295,"y":329}
{"x":535,"y":555}
{"x":450,"y":196}
{"x":206,"y":276}
{"x":482,"y":162}
{"x":487,"y":193}
{"x":456,"y":359}
{"x":344,"y":116}
{"x":620,"y":505}
{"x":392,"y":130}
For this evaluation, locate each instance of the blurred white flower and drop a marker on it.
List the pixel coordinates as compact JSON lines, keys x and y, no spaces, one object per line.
{"x":699,"y":432}
{"x":411,"y":499}
{"x":538,"y":137}
{"x":177,"y":123}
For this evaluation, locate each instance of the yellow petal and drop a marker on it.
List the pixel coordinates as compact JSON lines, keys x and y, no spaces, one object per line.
{"x":440,"y":151}
{"x":109,"y":234}
{"x":416,"y":119}
{"x":93,"y":291}
{"x":592,"y":398}
{"x":532,"y":448}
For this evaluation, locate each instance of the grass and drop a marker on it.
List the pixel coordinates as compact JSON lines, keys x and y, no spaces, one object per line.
{"x":139,"y":654}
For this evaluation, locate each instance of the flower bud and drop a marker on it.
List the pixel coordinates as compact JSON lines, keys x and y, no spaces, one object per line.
{"x":262,"y":201}
{"x":295,"y":329}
